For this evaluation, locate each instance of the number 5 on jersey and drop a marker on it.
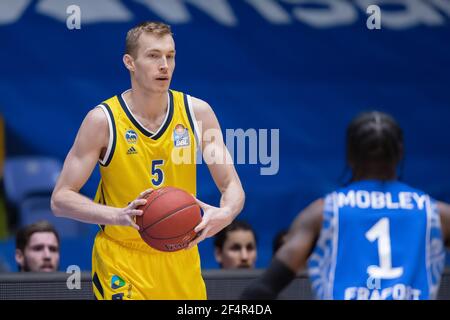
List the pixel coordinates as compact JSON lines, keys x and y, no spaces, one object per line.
{"x":157,"y":173}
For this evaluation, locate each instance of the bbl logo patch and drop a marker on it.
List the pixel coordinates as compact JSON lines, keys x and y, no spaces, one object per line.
{"x":180,"y":136}
{"x":131,"y":136}
{"x":117,"y":282}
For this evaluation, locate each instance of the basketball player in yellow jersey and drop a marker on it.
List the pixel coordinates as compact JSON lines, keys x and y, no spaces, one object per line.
{"x":145,"y":138}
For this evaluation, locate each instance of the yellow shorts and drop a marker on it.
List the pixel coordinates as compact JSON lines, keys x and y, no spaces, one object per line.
{"x":125,"y":270}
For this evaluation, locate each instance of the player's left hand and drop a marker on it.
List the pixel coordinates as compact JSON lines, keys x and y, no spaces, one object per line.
{"x":214,"y":219}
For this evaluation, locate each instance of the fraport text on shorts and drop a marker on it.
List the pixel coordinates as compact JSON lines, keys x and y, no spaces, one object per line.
{"x":225,"y":309}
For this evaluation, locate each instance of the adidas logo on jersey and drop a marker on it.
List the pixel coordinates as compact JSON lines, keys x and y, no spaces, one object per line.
{"x":132,"y":150}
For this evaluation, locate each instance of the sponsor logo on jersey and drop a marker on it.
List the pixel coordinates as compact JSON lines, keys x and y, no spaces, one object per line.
{"x":131,"y":136}
{"x":117,"y":282}
{"x":132,"y":150}
{"x":180,"y":136}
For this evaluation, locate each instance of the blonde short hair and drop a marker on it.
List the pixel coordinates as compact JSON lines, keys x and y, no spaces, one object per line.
{"x":157,"y":28}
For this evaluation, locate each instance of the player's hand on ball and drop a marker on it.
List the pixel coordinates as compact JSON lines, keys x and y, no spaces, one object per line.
{"x":214,"y":219}
{"x":125,"y":216}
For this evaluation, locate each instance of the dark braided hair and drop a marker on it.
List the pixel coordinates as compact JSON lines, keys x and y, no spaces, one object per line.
{"x":375,"y":141}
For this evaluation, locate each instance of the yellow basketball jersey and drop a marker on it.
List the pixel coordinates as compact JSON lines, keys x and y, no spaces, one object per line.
{"x":137,"y":159}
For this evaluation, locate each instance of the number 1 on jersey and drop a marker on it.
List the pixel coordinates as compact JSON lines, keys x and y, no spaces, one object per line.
{"x":157,"y":173}
{"x":380,"y":231}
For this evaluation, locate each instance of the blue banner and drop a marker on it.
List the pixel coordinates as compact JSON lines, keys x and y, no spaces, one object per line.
{"x":304,"y":68}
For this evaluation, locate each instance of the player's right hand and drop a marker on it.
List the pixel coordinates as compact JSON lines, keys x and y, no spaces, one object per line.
{"x":126,"y":216}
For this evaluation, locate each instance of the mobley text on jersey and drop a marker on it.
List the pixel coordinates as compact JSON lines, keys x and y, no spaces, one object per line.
{"x":381,"y":200}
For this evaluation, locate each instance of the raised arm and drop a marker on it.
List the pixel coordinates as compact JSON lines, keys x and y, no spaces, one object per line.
{"x":291,"y":257}
{"x":90,"y":144}
{"x":222,"y":170}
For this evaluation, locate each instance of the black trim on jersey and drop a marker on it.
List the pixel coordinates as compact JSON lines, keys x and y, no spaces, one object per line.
{"x":103,"y":195}
{"x":144,"y":131}
{"x":97,"y":284}
{"x":111,"y":116}
{"x":191,"y":122}
{"x":102,"y":201}
{"x":169,"y":119}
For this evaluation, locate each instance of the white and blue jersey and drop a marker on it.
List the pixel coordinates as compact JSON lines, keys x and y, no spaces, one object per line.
{"x":379,"y":240}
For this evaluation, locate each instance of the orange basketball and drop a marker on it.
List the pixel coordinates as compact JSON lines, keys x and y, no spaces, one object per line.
{"x":169,"y":218}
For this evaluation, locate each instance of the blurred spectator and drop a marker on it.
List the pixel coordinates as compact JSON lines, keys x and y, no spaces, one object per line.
{"x":279,"y":240}
{"x":235,"y":246}
{"x":37,"y":248}
{"x":3,"y":266}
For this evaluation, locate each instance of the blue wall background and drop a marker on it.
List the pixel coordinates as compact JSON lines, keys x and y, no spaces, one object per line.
{"x":305,"y":80}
